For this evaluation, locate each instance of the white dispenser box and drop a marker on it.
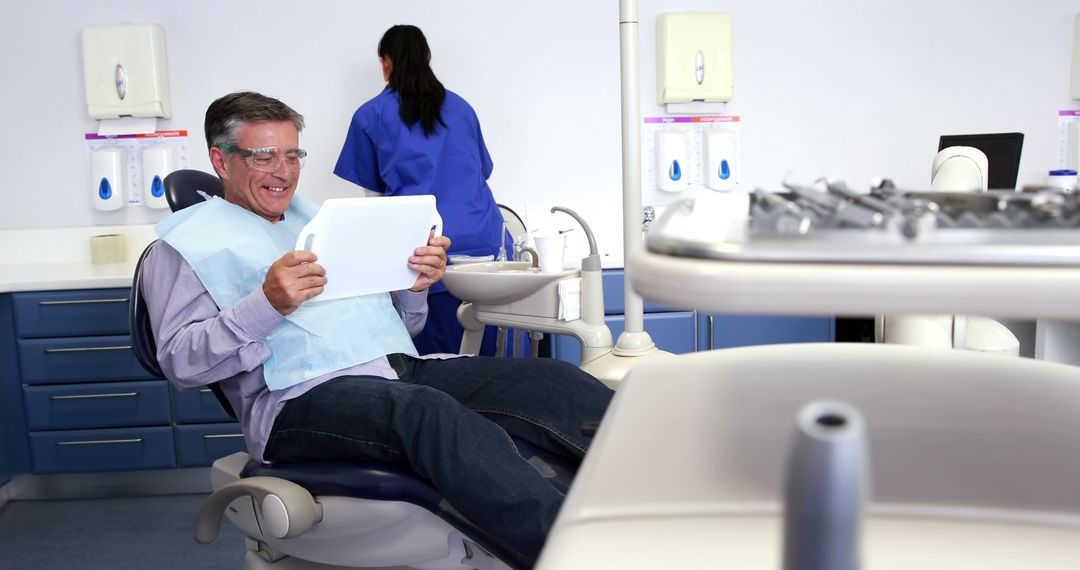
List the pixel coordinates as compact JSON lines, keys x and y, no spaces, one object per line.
{"x":694,"y":57}
{"x":720,"y":159}
{"x":107,"y":167}
{"x":672,"y":160}
{"x":126,"y":71}
{"x":158,"y":161}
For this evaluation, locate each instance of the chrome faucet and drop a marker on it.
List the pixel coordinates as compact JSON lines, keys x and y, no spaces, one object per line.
{"x":520,"y":248}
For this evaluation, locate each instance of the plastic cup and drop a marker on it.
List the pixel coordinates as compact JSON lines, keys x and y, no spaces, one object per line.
{"x":1063,"y":179}
{"x":550,"y":249}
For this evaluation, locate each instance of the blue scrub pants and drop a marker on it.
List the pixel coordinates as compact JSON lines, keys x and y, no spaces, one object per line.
{"x":448,"y":420}
{"x":442,"y":333}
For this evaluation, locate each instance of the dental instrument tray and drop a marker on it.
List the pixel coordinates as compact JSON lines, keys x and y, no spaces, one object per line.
{"x":886,"y":226}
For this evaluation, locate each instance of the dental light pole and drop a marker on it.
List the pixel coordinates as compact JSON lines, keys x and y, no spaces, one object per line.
{"x":634,"y":344}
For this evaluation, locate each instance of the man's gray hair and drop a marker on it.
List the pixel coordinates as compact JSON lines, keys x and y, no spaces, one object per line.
{"x":224,"y":116}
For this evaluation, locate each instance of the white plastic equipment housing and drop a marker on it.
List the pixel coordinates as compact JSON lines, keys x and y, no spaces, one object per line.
{"x":959,"y":169}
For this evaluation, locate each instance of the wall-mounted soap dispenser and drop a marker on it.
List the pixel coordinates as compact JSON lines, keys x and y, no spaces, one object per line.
{"x":720,"y":159}
{"x":672,"y":160}
{"x":107,"y":167}
{"x":126,"y":71}
{"x":693,"y":57}
{"x":157,"y":162}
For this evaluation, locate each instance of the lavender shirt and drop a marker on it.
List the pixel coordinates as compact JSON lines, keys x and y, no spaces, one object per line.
{"x":199,"y":344}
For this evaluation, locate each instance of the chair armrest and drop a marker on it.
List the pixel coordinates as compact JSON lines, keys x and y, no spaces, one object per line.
{"x":288,"y":510}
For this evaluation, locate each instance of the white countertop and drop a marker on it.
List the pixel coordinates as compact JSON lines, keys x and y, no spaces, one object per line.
{"x":50,"y":259}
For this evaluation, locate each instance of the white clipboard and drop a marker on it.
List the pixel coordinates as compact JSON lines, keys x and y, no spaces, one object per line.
{"x":365,"y":243}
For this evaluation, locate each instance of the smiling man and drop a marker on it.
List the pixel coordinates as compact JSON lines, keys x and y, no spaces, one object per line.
{"x":230,"y":302}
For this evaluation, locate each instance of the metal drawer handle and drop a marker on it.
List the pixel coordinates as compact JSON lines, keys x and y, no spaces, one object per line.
{"x":205,"y":390}
{"x":101,"y":441}
{"x":89,"y":396}
{"x":84,"y":301}
{"x":711,"y":333}
{"x":88,"y":348}
{"x":222,"y":435}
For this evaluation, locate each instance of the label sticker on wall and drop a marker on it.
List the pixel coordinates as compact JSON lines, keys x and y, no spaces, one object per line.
{"x":150,"y":157}
{"x":1069,"y":139}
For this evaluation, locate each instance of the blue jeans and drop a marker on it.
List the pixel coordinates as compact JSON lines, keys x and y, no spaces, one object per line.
{"x":448,"y":420}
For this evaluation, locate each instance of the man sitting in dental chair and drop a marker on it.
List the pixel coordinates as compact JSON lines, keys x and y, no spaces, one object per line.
{"x":227,"y":301}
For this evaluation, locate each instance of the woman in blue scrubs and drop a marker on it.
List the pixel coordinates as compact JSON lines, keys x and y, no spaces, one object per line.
{"x":417,"y":137}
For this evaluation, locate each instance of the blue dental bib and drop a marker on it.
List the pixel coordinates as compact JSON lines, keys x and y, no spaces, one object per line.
{"x":231,"y":249}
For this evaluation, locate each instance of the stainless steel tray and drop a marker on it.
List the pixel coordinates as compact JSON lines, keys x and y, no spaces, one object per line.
{"x":1053,"y":244}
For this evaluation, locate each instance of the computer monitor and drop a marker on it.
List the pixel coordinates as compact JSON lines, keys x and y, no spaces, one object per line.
{"x":1002,"y":151}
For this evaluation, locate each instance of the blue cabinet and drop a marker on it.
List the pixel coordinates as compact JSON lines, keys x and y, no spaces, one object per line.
{"x":81,"y":400}
{"x":197,"y":406}
{"x":198,"y":445}
{"x":203,"y":431}
{"x":115,"y":404}
{"x":79,"y":359}
{"x":124,"y":449}
{"x":14,"y":451}
{"x":5,"y":466}
{"x":730,"y":331}
{"x":71,"y":313}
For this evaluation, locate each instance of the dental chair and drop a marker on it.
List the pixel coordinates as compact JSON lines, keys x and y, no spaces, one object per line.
{"x":329,"y":515}
{"x":973,"y":460}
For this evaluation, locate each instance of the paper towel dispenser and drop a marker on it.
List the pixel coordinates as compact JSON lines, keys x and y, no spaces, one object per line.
{"x":126,"y":71}
{"x":693,"y":57}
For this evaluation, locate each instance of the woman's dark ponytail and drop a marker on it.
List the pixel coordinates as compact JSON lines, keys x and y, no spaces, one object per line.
{"x":421,"y":93}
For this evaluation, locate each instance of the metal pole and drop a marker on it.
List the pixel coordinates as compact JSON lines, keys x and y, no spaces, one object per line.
{"x":634,"y":339}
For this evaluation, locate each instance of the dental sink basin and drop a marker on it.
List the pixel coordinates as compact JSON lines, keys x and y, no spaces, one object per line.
{"x":496,"y":283}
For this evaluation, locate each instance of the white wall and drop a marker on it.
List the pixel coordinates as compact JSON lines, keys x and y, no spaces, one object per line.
{"x":841,"y":88}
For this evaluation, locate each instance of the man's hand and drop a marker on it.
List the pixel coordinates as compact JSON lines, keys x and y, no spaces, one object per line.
{"x":430,"y":261}
{"x":293,"y":279}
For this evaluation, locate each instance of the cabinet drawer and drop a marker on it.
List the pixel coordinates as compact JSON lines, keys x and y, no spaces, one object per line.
{"x":98,"y":405}
{"x":200,"y":445}
{"x":85,"y":359}
{"x":123,"y":449}
{"x":71,"y":313}
{"x":197,"y":406}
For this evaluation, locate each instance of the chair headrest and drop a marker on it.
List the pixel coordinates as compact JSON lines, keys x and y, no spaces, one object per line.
{"x":183,"y":186}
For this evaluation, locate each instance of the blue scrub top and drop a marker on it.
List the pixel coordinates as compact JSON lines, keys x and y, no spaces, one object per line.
{"x":383,"y":154}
